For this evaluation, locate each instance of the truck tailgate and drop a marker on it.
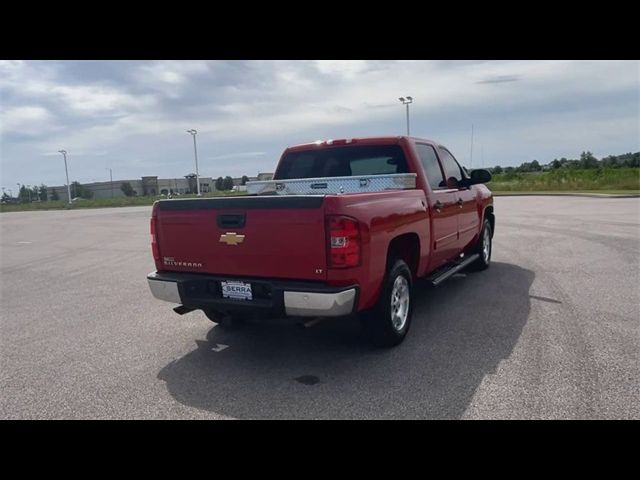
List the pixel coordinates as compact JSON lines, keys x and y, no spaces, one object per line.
{"x":267,"y":236}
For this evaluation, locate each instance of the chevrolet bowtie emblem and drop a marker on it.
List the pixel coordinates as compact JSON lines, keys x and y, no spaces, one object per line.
{"x":231,"y":238}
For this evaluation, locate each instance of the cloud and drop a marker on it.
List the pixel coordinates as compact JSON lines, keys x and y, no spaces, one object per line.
{"x":27,"y":119}
{"x":247,"y":112}
{"x":169,"y":78}
{"x":500,"y":79}
{"x":342,"y":68}
{"x":230,"y":156}
{"x":100,"y":100}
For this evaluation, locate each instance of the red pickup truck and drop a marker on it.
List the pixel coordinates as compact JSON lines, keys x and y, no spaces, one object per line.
{"x":344,"y":227}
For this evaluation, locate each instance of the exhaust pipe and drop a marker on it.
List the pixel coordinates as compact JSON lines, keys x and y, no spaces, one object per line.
{"x":311,"y":323}
{"x":181,"y":309}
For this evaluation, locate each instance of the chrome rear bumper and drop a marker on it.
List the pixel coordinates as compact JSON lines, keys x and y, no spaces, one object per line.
{"x":164,"y":290}
{"x":288,"y":298}
{"x":311,"y":304}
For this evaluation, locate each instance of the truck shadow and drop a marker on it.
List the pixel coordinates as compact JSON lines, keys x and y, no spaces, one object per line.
{"x":461,"y":331}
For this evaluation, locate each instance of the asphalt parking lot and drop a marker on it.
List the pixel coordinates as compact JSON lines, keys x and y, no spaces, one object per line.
{"x":551,"y":330}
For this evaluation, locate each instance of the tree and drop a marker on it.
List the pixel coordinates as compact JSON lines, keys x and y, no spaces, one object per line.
{"x":220,"y":184}
{"x":630,"y":160}
{"x":497,"y":169}
{"x":127,"y":189}
{"x":192,"y":180}
{"x":42,"y":193}
{"x":587,"y":160}
{"x":228,"y":183}
{"x":54,"y":195}
{"x":244,"y":180}
{"x":78,"y":190}
{"x":535,"y":166}
{"x":24,"y":194}
{"x":573,"y":164}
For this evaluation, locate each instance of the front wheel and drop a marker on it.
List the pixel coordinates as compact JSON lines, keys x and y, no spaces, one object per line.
{"x":388,"y":322}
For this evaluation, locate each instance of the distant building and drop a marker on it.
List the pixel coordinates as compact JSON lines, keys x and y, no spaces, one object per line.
{"x":265,"y":176}
{"x":150,"y":186}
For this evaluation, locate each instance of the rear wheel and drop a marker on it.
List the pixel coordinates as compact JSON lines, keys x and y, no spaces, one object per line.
{"x":483,"y":248}
{"x":388,"y":322}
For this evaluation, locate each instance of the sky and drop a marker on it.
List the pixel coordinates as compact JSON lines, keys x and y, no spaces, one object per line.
{"x":132,"y":116}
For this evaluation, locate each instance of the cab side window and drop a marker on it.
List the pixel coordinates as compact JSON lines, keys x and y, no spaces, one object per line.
{"x":452,"y":171}
{"x":431,"y":166}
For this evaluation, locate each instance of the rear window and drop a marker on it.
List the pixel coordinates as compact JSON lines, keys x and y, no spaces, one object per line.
{"x":343,"y":162}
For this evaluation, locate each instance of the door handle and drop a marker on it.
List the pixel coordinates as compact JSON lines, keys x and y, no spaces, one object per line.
{"x":460,"y":202}
{"x":438,"y":206}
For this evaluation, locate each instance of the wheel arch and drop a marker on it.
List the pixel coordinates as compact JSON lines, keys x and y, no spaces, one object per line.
{"x":488,"y":215}
{"x":407,"y":248}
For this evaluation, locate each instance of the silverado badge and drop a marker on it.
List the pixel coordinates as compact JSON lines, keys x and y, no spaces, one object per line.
{"x":232,"y":238}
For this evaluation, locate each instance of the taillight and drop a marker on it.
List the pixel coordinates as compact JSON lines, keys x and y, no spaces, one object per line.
{"x":153,"y":230}
{"x":343,"y":238}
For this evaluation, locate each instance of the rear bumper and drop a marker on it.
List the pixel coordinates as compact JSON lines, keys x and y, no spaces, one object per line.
{"x":271,"y":297}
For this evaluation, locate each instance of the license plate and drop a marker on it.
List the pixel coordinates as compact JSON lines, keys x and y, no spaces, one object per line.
{"x":237,"y":290}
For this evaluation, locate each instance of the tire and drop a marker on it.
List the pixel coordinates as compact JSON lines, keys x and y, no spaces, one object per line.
{"x":485,"y":240}
{"x":388,"y":322}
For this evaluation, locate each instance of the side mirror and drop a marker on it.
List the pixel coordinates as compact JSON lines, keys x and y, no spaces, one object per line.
{"x":480,"y":176}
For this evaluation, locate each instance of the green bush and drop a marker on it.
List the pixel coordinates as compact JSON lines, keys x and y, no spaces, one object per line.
{"x":566,"y":179}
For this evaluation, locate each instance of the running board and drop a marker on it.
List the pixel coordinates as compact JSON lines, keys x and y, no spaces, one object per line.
{"x":441,"y":275}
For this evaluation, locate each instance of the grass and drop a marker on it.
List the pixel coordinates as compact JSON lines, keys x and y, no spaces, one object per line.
{"x":100,"y":203}
{"x":597,"y":180}
{"x":604,"y":180}
{"x":568,"y":192}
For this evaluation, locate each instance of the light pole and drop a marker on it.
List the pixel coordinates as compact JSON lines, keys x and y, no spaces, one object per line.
{"x":111,"y":179}
{"x":471,"y":152}
{"x":193,"y":133}
{"x":66,"y":171}
{"x":407,"y":101}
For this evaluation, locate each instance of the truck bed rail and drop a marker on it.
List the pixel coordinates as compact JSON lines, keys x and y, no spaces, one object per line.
{"x":333,"y":185}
